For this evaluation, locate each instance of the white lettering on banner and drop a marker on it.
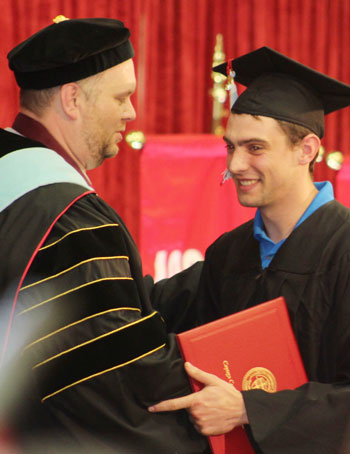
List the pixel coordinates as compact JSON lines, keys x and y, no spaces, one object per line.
{"x":167,"y":264}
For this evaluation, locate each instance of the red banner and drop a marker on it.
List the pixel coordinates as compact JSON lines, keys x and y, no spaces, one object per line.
{"x":184,"y":206}
{"x":342,"y":183}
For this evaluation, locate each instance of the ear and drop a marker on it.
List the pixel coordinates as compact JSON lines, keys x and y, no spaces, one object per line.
{"x":309,"y":147}
{"x":69,"y":95}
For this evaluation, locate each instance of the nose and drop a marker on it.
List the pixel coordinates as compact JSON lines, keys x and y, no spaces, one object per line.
{"x":129,"y":113}
{"x":237,"y":162}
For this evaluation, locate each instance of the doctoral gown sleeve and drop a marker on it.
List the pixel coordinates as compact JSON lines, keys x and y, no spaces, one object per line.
{"x":101,"y":354}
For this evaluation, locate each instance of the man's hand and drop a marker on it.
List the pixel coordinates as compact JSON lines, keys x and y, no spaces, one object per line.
{"x":216,"y":409}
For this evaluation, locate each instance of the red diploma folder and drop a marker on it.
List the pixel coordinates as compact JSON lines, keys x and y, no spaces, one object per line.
{"x":254,"y":348}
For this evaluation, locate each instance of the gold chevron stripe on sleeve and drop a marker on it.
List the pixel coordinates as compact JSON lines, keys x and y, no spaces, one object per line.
{"x":103,"y":372}
{"x":96,"y":339}
{"x":80,"y":321}
{"x":121,"y":257}
{"x":75,"y":289}
{"x":77,"y":231}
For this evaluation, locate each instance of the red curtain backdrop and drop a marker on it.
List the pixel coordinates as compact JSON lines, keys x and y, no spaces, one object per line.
{"x":174,"y":42}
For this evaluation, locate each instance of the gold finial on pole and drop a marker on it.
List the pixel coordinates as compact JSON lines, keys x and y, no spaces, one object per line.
{"x":218,"y":91}
{"x":136,"y":139}
{"x":60,"y":18}
{"x":334,"y":160}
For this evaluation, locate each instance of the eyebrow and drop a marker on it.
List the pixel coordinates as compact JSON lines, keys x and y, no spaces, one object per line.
{"x":246,"y":141}
{"x":126,"y":92}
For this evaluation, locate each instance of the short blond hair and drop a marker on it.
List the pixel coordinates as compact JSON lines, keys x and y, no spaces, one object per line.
{"x":37,"y":101}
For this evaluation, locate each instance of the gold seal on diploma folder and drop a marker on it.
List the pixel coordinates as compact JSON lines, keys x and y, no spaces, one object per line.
{"x":259,"y":378}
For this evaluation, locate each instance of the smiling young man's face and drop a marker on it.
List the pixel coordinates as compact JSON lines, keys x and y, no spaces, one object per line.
{"x":261,"y":160}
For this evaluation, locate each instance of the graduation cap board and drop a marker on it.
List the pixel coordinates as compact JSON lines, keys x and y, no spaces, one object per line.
{"x":285,"y":89}
{"x":68,"y":51}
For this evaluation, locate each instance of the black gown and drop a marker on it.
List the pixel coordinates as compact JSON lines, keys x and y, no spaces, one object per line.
{"x":312,"y":271}
{"x":92,"y":351}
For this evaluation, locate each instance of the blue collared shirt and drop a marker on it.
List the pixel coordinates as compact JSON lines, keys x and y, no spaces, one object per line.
{"x":268,"y":248}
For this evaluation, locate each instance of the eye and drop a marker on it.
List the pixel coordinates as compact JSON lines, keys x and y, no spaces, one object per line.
{"x":230,"y":148}
{"x":254,"y":148}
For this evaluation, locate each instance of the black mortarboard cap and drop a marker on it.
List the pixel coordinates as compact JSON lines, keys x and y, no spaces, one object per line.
{"x":285,"y":89}
{"x":69,"y":51}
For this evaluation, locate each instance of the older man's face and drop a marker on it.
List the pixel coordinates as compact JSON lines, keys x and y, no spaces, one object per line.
{"x":106,"y":113}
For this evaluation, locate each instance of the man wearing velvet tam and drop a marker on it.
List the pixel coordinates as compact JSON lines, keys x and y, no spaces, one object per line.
{"x":96,"y":354}
{"x":297,"y":246}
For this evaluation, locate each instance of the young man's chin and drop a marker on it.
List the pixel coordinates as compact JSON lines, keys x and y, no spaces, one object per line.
{"x":248,"y":202}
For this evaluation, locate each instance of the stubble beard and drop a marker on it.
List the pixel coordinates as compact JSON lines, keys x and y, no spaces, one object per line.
{"x":98,"y":148}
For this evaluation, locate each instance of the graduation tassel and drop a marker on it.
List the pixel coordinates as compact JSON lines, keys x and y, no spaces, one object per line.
{"x":232,"y":88}
{"x":230,"y":85}
{"x":226,"y":175}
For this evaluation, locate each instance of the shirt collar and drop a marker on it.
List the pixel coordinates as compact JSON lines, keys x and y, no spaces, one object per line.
{"x":324,"y":195}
